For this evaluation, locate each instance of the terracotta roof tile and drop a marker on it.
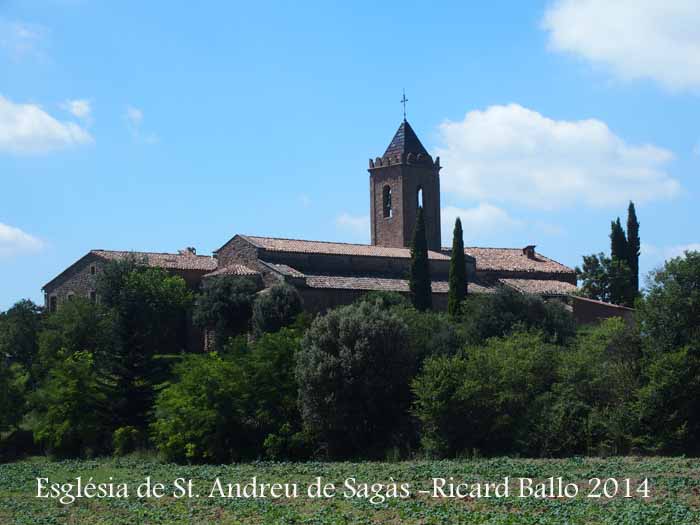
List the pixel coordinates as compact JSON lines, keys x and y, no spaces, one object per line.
{"x":232,"y":269}
{"x":513,"y":259}
{"x":540,"y":286}
{"x":284,"y":269}
{"x":334,"y":248}
{"x":171,"y":261}
{"x":339,"y":282}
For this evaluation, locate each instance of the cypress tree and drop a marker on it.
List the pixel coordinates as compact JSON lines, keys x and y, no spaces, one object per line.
{"x":618,"y":241}
{"x":419,"y":276}
{"x":458,"y":272}
{"x":633,"y":246}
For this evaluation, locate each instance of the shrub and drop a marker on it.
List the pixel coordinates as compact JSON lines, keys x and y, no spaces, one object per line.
{"x":225,"y":407}
{"x":353,"y":370}
{"x":126,"y":440}
{"x":480,"y":400}
{"x":591,"y":408}
{"x":502,"y":313}
{"x":67,"y":416}
{"x":275,"y":308}
{"x":225,"y":305}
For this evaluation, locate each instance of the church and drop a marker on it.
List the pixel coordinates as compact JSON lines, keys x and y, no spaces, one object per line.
{"x":328,"y":274}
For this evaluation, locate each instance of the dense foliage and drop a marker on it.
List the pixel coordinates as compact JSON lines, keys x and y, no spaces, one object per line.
{"x":275,"y":308}
{"x":225,"y":306}
{"x":378,"y":378}
{"x":615,"y":279}
{"x":353,"y":371}
{"x":240,"y":404}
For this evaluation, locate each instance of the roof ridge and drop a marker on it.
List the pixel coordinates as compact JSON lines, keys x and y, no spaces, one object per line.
{"x":325,"y":242}
{"x":152,"y":253}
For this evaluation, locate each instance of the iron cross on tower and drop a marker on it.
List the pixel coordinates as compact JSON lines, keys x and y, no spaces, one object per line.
{"x":403,"y":101}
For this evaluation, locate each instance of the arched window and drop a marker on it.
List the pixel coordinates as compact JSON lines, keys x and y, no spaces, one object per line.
{"x":419,"y":196}
{"x":386,"y":200}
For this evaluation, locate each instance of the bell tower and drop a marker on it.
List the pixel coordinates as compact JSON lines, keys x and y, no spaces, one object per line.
{"x":400,"y":181}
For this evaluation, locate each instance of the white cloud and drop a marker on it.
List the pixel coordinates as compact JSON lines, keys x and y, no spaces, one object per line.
{"x":21,"y":40}
{"x":80,"y":108}
{"x":658,"y":254}
{"x":478,"y":223}
{"x":134,"y":120}
{"x":514,"y":154}
{"x":14,"y":241}
{"x":27,"y":129}
{"x":134,"y":115}
{"x":656,"y":39}
{"x":357,"y":225}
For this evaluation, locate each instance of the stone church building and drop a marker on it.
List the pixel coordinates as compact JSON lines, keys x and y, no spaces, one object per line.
{"x":328,"y":274}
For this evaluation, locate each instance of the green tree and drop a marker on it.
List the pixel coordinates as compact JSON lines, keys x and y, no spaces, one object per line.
{"x":606,"y":279}
{"x":591,"y":407}
{"x":506,"y":311}
{"x":419,"y":272}
{"x":148,"y":309}
{"x":13,"y":379}
{"x":633,"y":246}
{"x":225,"y":305}
{"x":19,"y":329}
{"x":353,"y":370}
{"x":67,"y":418}
{"x":618,"y":241}
{"x":234,"y":405}
{"x":669,"y":401}
{"x":482,"y":399}
{"x":275,"y":308}
{"x":670,"y":313}
{"x":458,"y":272}
{"x":669,"y":319}
{"x":78,"y":326}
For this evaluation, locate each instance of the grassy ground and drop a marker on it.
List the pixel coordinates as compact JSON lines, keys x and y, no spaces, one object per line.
{"x":674,"y":485}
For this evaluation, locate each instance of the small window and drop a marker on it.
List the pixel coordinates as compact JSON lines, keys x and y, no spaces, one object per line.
{"x":53,"y":303}
{"x":70,"y":296}
{"x":93,"y":296}
{"x":419,"y":196}
{"x":386,"y":200}
{"x":93,"y":270}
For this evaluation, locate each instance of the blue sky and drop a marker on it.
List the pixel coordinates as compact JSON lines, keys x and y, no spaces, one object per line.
{"x":154,"y":126}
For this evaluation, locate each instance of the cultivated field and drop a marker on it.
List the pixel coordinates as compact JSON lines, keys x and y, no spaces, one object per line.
{"x":674,"y":490}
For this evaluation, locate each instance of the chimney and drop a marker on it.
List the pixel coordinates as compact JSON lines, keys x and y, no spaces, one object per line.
{"x":529,"y":251}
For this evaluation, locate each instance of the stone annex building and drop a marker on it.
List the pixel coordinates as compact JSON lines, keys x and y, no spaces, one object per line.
{"x":328,"y":274}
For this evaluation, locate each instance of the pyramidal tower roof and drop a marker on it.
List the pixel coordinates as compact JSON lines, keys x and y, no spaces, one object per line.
{"x":405,"y":141}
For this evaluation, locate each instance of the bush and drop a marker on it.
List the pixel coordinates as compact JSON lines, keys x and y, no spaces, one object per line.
{"x":232,"y":406}
{"x":670,"y":402}
{"x":79,"y":325}
{"x":68,"y":409}
{"x":429,"y":332}
{"x":19,"y":327}
{"x":670,"y":313}
{"x":353,"y":370}
{"x":506,"y":311}
{"x":225,"y":305}
{"x":481,"y":400}
{"x":13,"y":386}
{"x":275,"y":308}
{"x":126,"y":440}
{"x":591,"y":408}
